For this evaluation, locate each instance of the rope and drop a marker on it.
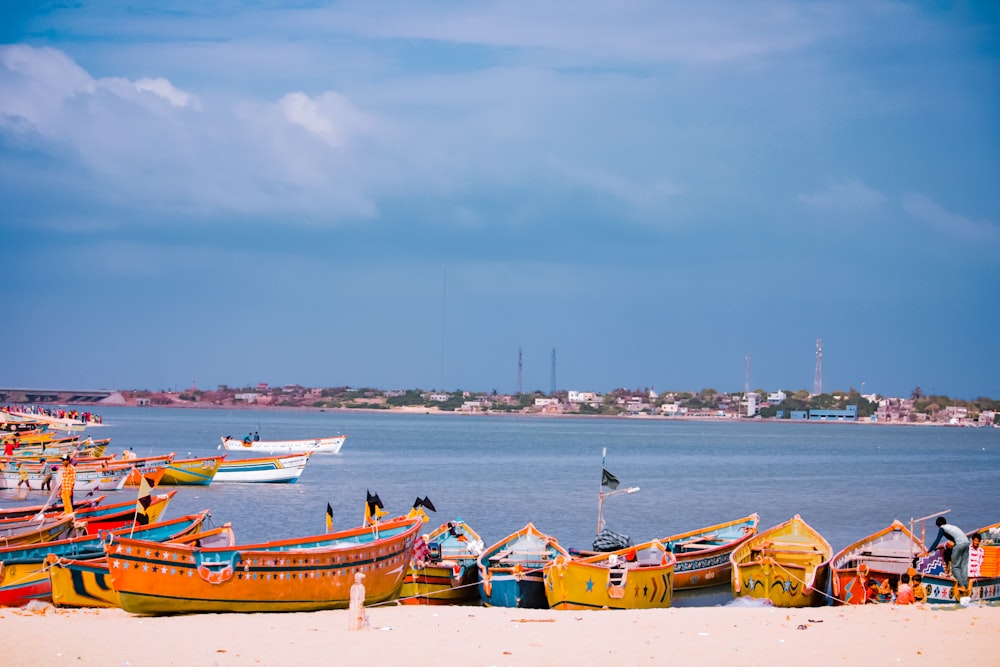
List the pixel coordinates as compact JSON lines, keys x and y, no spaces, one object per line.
{"x":792,"y":576}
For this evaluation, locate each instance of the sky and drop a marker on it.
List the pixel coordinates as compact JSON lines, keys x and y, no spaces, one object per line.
{"x":416,"y":195}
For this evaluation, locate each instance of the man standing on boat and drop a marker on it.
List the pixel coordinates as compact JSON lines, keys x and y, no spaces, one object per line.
{"x":68,"y":483}
{"x":959,"y":553}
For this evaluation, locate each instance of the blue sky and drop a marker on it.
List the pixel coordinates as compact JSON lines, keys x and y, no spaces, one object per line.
{"x":396,"y":194}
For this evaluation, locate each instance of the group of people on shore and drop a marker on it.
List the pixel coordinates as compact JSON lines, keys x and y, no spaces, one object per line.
{"x":962,"y":556}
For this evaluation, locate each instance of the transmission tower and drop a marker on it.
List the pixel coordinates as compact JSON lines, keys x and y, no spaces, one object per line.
{"x":747,"y":388}
{"x":520,"y":368}
{"x":818,"y":380}
{"x":552,"y":378}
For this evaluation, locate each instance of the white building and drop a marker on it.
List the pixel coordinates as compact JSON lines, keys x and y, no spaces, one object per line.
{"x":776,"y":396}
{"x":581,"y":397}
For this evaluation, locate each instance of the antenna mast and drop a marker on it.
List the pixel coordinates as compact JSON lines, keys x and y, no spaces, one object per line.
{"x":520,"y":368}
{"x":552,"y":379}
{"x":818,"y":380}
{"x":747,"y":388}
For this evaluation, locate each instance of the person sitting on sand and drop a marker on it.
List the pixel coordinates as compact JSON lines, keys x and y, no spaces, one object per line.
{"x":871,"y":590}
{"x":919,"y":592}
{"x":904,"y":591}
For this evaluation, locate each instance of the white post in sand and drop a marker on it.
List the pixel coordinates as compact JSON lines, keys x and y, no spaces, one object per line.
{"x":356,"y":612}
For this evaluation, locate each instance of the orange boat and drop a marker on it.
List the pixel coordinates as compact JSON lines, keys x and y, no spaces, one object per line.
{"x":303,"y":574}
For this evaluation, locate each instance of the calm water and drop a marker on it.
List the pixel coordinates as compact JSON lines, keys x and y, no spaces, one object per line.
{"x":498,"y":473}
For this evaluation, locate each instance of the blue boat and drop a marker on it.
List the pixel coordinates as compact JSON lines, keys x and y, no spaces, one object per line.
{"x":511,"y":571}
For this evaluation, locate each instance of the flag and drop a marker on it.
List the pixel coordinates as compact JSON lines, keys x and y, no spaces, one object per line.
{"x":374,"y":509}
{"x":608,"y":480}
{"x":329,"y":518}
{"x":424,"y":502}
{"x":144,"y":500}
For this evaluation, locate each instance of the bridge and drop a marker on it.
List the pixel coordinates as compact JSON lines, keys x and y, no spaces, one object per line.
{"x":67,"y":396}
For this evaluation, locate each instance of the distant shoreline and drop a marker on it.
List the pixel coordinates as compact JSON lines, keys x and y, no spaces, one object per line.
{"x":423,"y":410}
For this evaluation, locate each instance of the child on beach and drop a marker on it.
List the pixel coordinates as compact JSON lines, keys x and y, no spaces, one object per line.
{"x":976,"y":556}
{"x":904,"y":591}
{"x":919,"y":592}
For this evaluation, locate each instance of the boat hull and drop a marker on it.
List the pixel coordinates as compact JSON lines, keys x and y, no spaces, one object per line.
{"x":269,"y":469}
{"x":636,"y":578}
{"x":884,"y":554}
{"x":82,"y":583}
{"x":511,"y":571}
{"x":331,"y":445}
{"x":191,"y":472}
{"x":24,"y":572}
{"x":703,"y":555}
{"x":787,"y":564}
{"x":448,"y":574}
{"x":305,"y":574}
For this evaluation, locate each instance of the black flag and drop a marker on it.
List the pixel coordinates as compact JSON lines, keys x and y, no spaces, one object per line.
{"x":608,"y":480}
{"x":424,"y":502}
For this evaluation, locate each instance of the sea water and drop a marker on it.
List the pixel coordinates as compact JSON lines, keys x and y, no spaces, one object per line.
{"x":500,"y":472}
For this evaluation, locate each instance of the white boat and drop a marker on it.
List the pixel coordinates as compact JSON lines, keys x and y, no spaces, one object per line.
{"x":283,"y":468}
{"x":331,"y":445}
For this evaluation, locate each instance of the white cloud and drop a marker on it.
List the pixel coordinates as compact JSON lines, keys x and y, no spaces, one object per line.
{"x":926,"y":209}
{"x":166,"y":90}
{"x":331,"y":117}
{"x":36,"y":82}
{"x":846,"y":195}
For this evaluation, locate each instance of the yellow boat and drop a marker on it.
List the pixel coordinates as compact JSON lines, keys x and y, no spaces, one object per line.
{"x":199,"y":472}
{"x":787,"y":564}
{"x":639,"y":577}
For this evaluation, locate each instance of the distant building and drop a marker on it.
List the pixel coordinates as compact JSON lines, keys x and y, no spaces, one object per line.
{"x":249,"y":397}
{"x":776,"y":396}
{"x":848,"y":414}
{"x":438,"y":398}
{"x":581,"y":397}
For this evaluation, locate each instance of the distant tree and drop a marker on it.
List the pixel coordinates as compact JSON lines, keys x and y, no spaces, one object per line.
{"x":916,"y":394}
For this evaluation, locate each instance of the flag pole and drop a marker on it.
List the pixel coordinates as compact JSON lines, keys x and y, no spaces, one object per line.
{"x":600,"y":493}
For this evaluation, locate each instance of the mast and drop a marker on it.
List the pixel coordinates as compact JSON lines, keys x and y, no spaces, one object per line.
{"x":602,"y":494}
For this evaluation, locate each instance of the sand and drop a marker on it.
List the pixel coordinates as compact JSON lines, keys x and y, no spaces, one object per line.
{"x":469,"y":636}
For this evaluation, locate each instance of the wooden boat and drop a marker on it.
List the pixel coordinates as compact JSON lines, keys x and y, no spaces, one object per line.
{"x":448,"y":574}
{"x":703,"y":554}
{"x":285,"y":468}
{"x":303,"y":574}
{"x":196,"y":471}
{"x":77,"y":582}
{"x":118,"y":515}
{"x":886,"y":553}
{"x":24,"y":576}
{"x":510,"y":571}
{"x":56,"y":507}
{"x":786,"y":564}
{"x":941,"y":588}
{"x":330,"y":445}
{"x":150,"y":467}
{"x":638,"y":577}
{"x":20,"y":531}
{"x":89,"y":477}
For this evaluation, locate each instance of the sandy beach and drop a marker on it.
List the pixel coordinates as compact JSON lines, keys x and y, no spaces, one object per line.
{"x":469,"y":636}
